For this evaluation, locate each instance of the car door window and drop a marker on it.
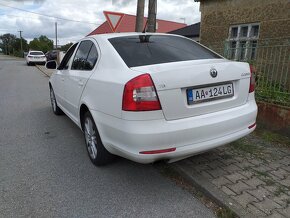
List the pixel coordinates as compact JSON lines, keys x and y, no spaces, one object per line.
{"x":65,"y":61}
{"x":80,"y":59}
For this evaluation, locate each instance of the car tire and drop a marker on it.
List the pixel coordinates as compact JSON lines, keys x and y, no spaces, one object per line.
{"x":28,"y":64}
{"x":95,"y":148}
{"x":56,"y":110}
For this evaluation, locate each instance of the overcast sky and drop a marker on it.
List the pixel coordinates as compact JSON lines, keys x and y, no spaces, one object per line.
{"x":90,"y":12}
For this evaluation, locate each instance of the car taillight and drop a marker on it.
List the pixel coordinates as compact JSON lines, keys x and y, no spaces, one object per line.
{"x":252,"y":79}
{"x":140,"y":95}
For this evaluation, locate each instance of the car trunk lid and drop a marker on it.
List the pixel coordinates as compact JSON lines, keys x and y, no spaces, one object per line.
{"x":177,"y":82}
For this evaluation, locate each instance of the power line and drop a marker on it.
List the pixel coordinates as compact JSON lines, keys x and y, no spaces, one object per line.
{"x":11,"y":15}
{"x":45,"y":15}
{"x":32,"y":18}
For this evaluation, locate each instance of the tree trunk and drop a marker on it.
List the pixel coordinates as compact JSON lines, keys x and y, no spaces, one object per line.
{"x":152,"y":9}
{"x":140,"y":16}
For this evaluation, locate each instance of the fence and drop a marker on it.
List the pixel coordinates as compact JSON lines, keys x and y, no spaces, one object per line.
{"x":271,"y":61}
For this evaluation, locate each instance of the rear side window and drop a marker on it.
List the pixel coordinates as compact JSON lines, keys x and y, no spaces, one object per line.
{"x":93,"y":57}
{"x":157,"y":49}
{"x":85,"y":57}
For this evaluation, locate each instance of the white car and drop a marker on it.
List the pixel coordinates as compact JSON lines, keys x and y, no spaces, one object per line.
{"x":35,"y":57}
{"x":148,"y":97}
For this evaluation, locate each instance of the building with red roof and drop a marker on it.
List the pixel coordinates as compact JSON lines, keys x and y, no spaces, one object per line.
{"x":128,"y":21}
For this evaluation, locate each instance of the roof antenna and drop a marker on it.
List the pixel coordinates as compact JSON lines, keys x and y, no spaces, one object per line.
{"x":144,"y":30}
{"x":145,"y":27}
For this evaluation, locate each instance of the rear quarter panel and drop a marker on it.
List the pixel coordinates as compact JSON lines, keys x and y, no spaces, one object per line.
{"x":104,"y":89}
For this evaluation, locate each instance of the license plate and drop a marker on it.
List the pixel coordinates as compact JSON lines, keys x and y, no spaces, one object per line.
{"x":198,"y":95}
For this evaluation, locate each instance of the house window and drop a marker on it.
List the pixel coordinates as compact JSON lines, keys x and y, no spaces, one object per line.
{"x":243,"y":41}
{"x":244,"y":31}
{"x":233,"y":45}
{"x":243,"y":48}
{"x":234,"y":32}
{"x":255,"y":31}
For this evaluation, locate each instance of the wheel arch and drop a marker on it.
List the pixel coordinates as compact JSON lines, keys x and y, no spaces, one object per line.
{"x":83,"y":110}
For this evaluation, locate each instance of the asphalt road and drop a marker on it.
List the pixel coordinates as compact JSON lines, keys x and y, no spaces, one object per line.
{"x":45,"y":170}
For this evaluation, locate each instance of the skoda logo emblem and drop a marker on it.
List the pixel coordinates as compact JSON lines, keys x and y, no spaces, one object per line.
{"x":213,"y":73}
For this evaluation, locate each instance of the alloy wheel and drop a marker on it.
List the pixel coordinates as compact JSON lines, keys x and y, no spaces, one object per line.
{"x":91,"y":137}
{"x":53,"y":100}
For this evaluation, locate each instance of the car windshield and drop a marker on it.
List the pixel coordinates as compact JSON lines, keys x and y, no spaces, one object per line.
{"x":36,"y":53}
{"x":157,"y":49}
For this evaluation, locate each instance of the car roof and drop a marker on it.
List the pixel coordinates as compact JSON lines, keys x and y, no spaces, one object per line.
{"x":115,"y":35}
{"x":35,"y":51}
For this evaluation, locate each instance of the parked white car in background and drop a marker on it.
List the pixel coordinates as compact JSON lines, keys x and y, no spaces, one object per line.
{"x":148,"y":97}
{"x":35,"y":57}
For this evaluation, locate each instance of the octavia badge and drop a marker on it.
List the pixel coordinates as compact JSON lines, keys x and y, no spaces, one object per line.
{"x":213,"y":73}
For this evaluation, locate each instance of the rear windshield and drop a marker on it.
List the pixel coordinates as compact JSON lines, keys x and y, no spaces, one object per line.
{"x":36,"y":53}
{"x":157,"y":49}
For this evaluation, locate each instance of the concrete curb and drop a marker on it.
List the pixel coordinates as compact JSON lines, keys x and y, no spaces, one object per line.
{"x":42,"y":70}
{"x":210,"y":191}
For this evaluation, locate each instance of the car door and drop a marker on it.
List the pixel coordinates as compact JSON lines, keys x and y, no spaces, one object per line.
{"x":60,"y":76}
{"x":81,"y":69}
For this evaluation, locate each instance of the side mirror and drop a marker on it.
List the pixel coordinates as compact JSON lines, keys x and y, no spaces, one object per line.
{"x":51,"y":65}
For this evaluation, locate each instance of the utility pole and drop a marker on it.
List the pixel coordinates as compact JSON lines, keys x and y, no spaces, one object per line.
{"x":55,"y":35}
{"x":21,"y":48}
{"x":140,"y":16}
{"x":152,"y":9}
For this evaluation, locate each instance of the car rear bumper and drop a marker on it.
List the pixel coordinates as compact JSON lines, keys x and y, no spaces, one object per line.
{"x":189,"y":136}
{"x":41,"y":61}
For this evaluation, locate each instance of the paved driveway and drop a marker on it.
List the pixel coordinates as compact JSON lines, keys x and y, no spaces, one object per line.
{"x":45,"y":171}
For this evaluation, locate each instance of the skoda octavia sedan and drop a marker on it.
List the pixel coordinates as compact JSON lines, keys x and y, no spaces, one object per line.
{"x":148,"y":97}
{"x":35,"y":57}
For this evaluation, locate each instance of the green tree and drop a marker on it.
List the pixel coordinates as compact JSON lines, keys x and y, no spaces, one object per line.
{"x":17,"y":44}
{"x":17,"y":47}
{"x":7,"y":44}
{"x":42,"y":44}
{"x":66,"y":46}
